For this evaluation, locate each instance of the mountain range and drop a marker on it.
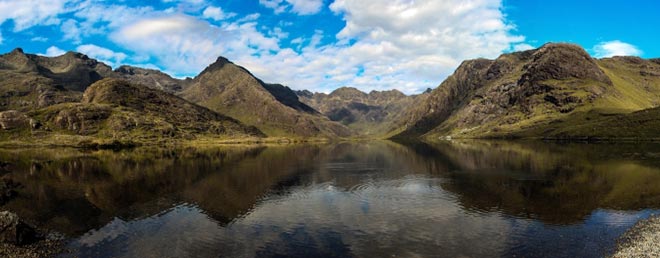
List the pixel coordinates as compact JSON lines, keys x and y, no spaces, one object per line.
{"x":556,"y":91}
{"x":551,"y":92}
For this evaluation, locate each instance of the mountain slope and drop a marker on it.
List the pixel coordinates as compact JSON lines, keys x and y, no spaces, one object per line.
{"x":30,"y":81}
{"x":274,"y":109}
{"x":369,"y":114}
{"x":530,"y":93}
{"x":113,"y":109}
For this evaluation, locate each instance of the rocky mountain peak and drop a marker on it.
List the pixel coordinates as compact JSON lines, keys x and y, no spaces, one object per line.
{"x":347,"y":93}
{"x":132,"y":70}
{"x":560,"y":61}
{"x":387,"y":94}
{"x":218,"y":64}
{"x":17,"y":50}
{"x":17,"y":60}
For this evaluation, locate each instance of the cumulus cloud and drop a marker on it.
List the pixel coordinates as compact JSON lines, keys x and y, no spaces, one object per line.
{"x":105,"y":55}
{"x":186,"y":45}
{"x":616,"y":48}
{"x":28,"y":13}
{"x":39,"y":39}
{"x":71,"y":31}
{"x":216,"y":13}
{"x":410,"y":45}
{"x":53,"y":51}
{"x":302,"y":7}
{"x":407,"y":45}
{"x":522,"y":47}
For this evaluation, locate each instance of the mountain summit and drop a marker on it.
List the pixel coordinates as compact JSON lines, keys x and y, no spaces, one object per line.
{"x":532,"y":93}
{"x":275,"y":109}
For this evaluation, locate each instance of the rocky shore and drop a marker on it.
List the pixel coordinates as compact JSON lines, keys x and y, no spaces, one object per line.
{"x":19,"y":239}
{"x":642,"y":240}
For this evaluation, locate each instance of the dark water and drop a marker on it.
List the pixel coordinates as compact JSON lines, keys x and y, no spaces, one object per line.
{"x":371,"y":199}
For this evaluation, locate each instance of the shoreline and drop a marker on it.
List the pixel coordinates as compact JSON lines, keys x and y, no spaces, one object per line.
{"x":641,"y":240}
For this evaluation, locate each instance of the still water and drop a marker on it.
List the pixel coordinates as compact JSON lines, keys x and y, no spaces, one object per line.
{"x":358,"y":199}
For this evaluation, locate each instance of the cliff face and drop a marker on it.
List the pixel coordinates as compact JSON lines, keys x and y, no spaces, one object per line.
{"x":528,"y":93}
{"x":275,"y":109}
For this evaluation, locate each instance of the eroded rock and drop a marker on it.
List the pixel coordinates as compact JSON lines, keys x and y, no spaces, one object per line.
{"x":14,"y":231}
{"x":13,"y":119}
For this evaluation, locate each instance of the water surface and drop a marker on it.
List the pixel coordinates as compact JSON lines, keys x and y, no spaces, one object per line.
{"x":359,"y":199}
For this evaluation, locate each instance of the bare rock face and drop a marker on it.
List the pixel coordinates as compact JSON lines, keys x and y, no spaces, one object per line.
{"x":81,"y":119}
{"x":562,"y":61}
{"x":13,"y":119}
{"x":151,"y":78}
{"x":14,"y":231}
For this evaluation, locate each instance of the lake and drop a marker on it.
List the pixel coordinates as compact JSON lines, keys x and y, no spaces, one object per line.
{"x":354,"y":199}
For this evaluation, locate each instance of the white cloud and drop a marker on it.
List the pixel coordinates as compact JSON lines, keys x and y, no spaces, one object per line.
{"x":305,"y":7}
{"x":185,"y":44}
{"x":302,"y":7}
{"x":105,"y":55}
{"x":39,"y":39}
{"x":29,"y":13}
{"x":1,"y":39}
{"x":184,"y":1}
{"x":216,"y":13}
{"x":407,"y":45}
{"x":522,"y":47}
{"x":616,"y":48}
{"x":54,"y":51}
{"x":71,"y":31}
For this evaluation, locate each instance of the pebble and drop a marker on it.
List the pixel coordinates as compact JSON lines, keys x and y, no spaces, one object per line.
{"x":642,"y":240}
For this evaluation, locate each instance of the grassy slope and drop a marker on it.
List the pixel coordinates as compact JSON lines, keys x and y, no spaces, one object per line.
{"x":608,"y":116}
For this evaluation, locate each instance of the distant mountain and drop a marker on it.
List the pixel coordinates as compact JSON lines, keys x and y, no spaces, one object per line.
{"x":152,"y":78}
{"x":114,"y":109}
{"x":369,"y":114}
{"x":533,"y":93}
{"x":31,"y":82}
{"x":274,"y":109}
{"x":557,"y":91}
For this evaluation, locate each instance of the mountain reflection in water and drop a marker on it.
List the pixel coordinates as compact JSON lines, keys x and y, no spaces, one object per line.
{"x":358,"y":199}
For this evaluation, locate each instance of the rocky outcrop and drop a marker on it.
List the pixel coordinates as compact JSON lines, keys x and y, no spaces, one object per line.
{"x":13,"y":119}
{"x":14,"y":231}
{"x":82,"y":119}
{"x":152,"y":78}
{"x":452,"y":94}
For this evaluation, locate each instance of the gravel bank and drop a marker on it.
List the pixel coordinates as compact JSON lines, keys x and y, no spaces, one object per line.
{"x":642,"y":240}
{"x":44,"y":248}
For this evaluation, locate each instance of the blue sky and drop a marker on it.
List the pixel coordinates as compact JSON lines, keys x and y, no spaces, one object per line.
{"x":320,"y":45}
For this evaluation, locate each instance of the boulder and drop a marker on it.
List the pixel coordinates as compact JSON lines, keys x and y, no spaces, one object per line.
{"x":13,"y":119}
{"x":14,"y":231}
